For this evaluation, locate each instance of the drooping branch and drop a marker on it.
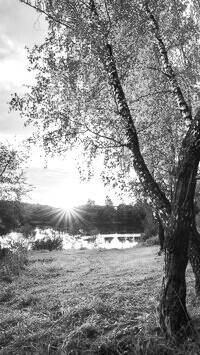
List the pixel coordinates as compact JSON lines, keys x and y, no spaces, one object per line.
{"x":166,"y":66}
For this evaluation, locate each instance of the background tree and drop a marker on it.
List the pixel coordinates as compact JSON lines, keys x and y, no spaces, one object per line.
{"x":11,"y":217}
{"x":13,"y":186}
{"x":13,"y":183}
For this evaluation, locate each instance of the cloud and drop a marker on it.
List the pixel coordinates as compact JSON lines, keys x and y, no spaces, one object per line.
{"x":13,"y":72}
{"x":7,"y":48}
{"x":17,"y":30}
{"x":21,"y":23}
{"x":20,"y":26}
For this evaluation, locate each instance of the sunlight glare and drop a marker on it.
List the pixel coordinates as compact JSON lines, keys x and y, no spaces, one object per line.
{"x":69,"y":195}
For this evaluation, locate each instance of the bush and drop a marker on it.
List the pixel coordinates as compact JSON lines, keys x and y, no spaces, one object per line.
{"x":12,"y":261}
{"x":151,"y":241}
{"x":48,"y":243}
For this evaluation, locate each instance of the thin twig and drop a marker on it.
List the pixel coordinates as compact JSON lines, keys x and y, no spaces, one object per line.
{"x":45,"y":13}
{"x":151,"y":94}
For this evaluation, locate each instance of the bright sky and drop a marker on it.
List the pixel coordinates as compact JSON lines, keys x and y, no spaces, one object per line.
{"x":59,"y":184}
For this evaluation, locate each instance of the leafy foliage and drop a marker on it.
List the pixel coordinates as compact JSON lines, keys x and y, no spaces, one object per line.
{"x":13,"y":173}
{"x":10,"y":216}
{"x":73,"y":104}
{"x":48,"y":243}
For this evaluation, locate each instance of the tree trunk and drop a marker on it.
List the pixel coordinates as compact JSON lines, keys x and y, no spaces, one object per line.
{"x":173,"y":315}
{"x":194,"y":255}
{"x":194,"y":241}
{"x":173,"y":312}
{"x":161,"y":234}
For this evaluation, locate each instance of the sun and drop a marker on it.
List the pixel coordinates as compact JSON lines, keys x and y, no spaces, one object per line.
{"x":72,"y":193}
{"x":68,"y":209}
{"x":67,"y":197}
{"x":66,"y":202}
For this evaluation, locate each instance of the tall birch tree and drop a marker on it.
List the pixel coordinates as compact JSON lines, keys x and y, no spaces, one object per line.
{"x":112,"y":77}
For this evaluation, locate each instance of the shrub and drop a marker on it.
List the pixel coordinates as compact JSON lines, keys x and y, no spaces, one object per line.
{"x":12,"y":261}
{"x":151,"y":241}
{"x":48,"y":243}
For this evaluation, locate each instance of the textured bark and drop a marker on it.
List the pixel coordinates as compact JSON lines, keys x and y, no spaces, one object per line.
{"x":161,"y":230}
{"x":194,"y":255}
{"x":173,"y":312}
{"x":161,"y":235}
{"x":173,"y":316}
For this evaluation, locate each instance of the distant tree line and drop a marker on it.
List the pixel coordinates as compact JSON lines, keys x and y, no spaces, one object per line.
{"x":86,"y":219}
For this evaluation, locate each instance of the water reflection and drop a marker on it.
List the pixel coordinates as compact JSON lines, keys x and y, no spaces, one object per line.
{"x":104,"y":241}
{"x":107,"y":241}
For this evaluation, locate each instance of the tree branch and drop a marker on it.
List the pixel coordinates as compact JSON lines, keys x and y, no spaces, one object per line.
{"x":95,"y":133}
{"x":108,"y":138}
{"x":42,"y":11}
{"x":167,"y":68}
{"x":151,"y":94}
{"x":7,"y":164}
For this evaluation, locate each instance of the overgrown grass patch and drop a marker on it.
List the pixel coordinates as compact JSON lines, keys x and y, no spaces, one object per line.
{"x":90,"y":302}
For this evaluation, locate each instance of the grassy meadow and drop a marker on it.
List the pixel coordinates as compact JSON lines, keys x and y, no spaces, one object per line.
{"x":78,"y":302}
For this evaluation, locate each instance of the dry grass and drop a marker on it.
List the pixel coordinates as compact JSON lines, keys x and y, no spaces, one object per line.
{"x":89,"y":302}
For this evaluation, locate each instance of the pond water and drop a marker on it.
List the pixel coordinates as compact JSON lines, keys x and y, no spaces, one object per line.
{"x":110,"y":241}
{"x":104,"y":241}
